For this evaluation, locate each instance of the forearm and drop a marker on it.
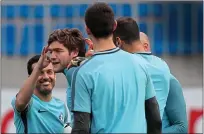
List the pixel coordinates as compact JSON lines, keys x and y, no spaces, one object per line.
{"x":24,"y":95}
{"x":154,"y":124}
{"x":81,"y":123}
{"x":180,"y":127}
{"x":176,"y":109}
{"x":177,"y":117}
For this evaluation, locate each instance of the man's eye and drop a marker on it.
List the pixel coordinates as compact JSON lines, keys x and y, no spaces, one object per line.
{"x":50,"y":72}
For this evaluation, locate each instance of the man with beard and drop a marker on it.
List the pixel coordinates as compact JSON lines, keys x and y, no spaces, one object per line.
{"x":35,"y":109}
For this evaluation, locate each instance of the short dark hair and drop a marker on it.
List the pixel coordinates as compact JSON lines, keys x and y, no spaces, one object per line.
{"x":127,"y":30}
{"x":32,"y":61}
{"x":72,"y":39}
{"x":99,"y":18}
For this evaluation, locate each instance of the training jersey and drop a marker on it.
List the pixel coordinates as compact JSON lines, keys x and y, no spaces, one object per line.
{"x":68,"y":74}
{"x":175,"y":116}
{"x":160,"y":75}
{"x":112,"y":86}
{"x":41,"y":117}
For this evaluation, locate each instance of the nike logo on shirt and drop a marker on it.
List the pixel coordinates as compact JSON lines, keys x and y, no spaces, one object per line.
{"x":41,"y":111}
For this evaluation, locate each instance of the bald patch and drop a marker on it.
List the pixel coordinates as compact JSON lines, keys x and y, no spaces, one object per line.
{"x":144,"y":38}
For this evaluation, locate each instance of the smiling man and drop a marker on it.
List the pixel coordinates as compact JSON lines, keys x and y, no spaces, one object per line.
{"x":35,"y":109}
{"x":64,"y":45}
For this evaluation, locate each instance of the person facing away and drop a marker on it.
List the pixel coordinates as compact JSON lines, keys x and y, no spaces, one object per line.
{"x":127,"y":30}
{"x":174,"y":119}
{"x":35,"y":109}
{"x":112,"y":92}
{"x":127,"y":36}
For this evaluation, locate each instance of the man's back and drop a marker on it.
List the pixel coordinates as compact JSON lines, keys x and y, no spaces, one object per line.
{"x":118,"y":87}
{"x":160,"y":75}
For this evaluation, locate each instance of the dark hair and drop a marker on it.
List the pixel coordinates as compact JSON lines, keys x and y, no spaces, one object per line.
{"x":72,"y":39}
{"x":127,"y":30}
{"x":32,"y":61}
{"x":99,"y":18}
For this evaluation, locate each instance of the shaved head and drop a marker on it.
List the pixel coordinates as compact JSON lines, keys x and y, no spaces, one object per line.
{"x":144,"y":37}
{"x":145,"y":41}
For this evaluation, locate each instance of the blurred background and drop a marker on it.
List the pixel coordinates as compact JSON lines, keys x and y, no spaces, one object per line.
{"x":175,"y":30}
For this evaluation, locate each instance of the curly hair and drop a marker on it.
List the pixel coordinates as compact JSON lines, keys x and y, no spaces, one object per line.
{"x":72,"y":39}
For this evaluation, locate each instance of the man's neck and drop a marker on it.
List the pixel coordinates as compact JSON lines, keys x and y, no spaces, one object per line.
{"x":103,"y":44}
{"x":135,"y":47}
{"x":45,"y":98}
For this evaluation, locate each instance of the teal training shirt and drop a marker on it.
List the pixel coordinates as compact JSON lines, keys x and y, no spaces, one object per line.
{"x":160,"y":75}
{"x":41,"y":117}
{"x":69,"y":74}
{"x":113,"y":86}
{"x":175,"y":117}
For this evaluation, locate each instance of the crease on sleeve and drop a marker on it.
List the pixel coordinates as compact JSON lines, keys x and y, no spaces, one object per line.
{"x":27,"y":109}
{"x":81,"y":100}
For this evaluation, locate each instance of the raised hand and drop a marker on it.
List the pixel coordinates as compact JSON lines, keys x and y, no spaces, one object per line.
{"x":44,"y":60}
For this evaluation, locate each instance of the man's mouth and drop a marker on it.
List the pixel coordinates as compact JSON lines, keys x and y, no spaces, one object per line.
{"x":55,"y":63}
{"x":46,"y":83}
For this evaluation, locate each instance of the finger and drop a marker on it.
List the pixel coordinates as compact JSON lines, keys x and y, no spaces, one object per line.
{"x":89,"y":53}
{"x":89,"y":43}
{"x":43,"y":51}
{"x":46,"y":48}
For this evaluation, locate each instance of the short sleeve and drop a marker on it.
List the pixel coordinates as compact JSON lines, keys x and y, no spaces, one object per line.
{"x":67,"y":118}
{"x":150,"y":91}
{"x":13,"y":103}
{"x":81,"y":96}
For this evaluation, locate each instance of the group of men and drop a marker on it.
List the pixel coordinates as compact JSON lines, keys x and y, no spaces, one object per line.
{"x":117,"y":86}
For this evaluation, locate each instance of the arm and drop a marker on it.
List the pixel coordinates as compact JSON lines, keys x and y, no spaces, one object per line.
{"x":24,"y":95}
{"x":81,"y":104}
{"x":176,"y":109}
{"x":154,"y":124}
{"x":81,"y":123}
{"x":152,"y":116}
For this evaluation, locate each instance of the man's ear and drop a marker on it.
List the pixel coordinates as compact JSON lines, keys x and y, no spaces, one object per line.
{"x":74,"y":53}
{"x":115,"y":25}
{"x":118,"y":41}
{"x":146,"y":47}
{"x":88,"y":31}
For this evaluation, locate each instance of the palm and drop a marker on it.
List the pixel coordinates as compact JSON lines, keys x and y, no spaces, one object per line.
{"x":44,"y":59}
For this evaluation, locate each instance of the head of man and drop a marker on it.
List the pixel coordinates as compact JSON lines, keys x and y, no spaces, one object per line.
{"x":145,"y":41}
{"x":64,"y":45}
{"x":100,"y":22}
{"x":46,"y":80}
{"x":126,"y":33}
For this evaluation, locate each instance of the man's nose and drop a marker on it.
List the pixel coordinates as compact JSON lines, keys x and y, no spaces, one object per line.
{"x":53,"y":56}
{"x":45,"y":76}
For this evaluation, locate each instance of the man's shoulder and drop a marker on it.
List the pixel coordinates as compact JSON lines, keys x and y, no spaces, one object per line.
{"x":161,"y":63}
{"x":88,"y":66}
{"x":159,"y":59}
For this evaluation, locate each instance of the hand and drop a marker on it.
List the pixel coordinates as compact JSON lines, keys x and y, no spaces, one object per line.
{"x":77,"y":61}
{"x":90,"y":51}
{"x":44,"y":60}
